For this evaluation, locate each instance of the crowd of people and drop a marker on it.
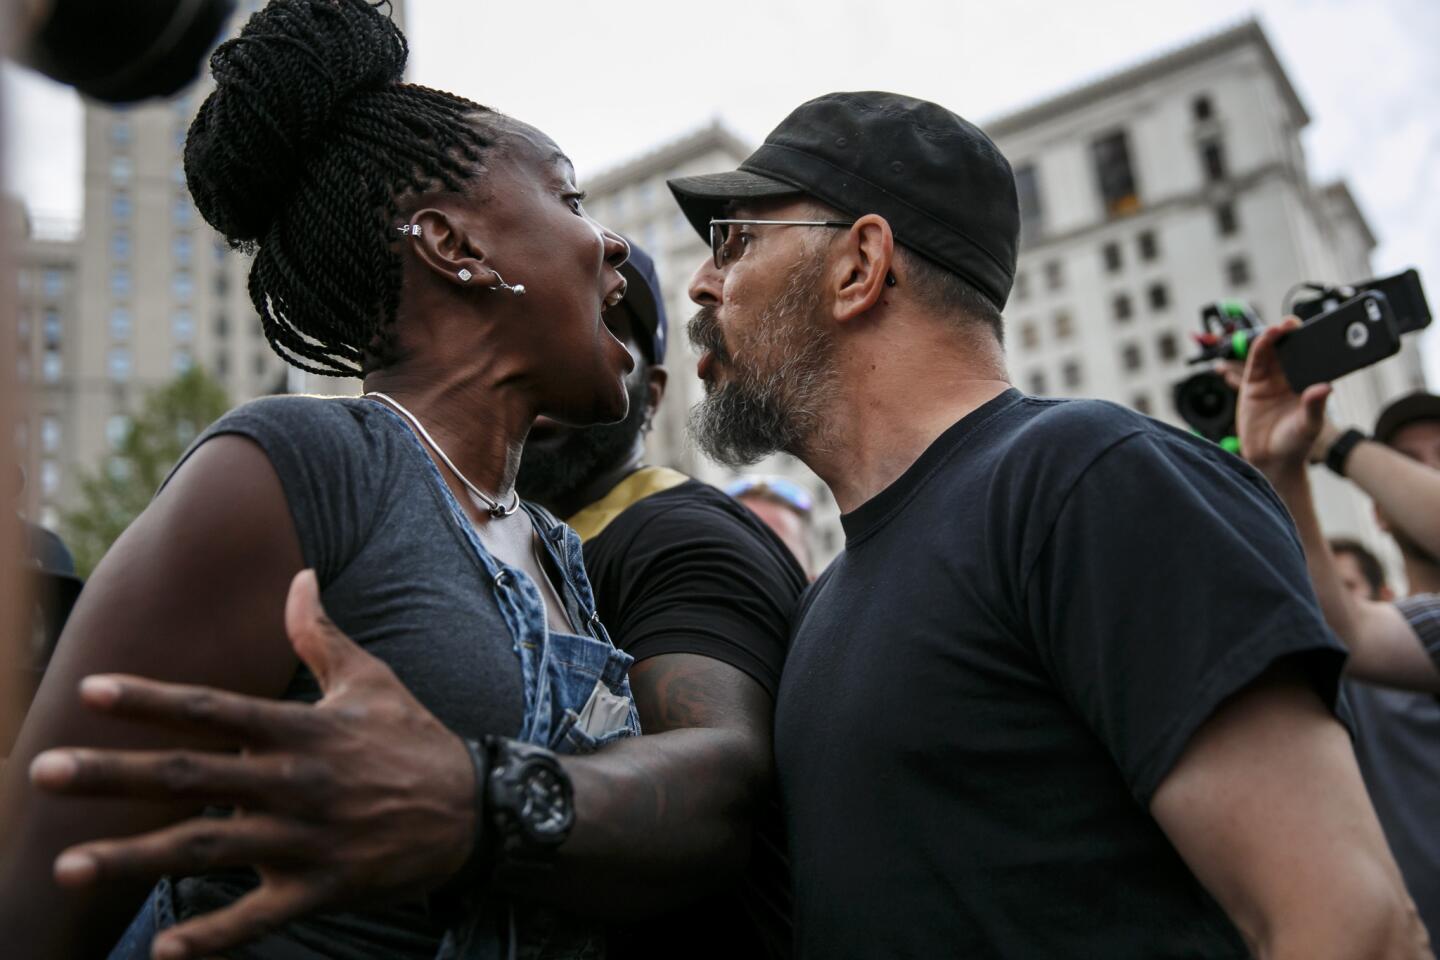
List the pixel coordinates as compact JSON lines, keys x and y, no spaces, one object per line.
{"x":449,"y":670}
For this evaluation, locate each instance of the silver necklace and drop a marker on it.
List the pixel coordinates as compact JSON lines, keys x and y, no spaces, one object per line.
{"x":482,"y":499}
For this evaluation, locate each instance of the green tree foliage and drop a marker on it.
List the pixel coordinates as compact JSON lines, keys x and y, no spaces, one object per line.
{"x":113,"y":496}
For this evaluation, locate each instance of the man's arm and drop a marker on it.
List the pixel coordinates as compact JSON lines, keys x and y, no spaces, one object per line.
{"x":326,"y":823}
{"x":1267,"y":808}
{"x":1277,"y":428}
{"x":1406,"y":491}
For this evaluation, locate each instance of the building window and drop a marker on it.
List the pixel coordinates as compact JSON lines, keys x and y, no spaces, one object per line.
{"x":52,"y":328}
{"x":1225,"y":220}
{"x":121,"y":168}
{"x":259,"y":364}
{"x":120,"y":131}
{"x":222,"y":363}
{"x":1237,"y":271}
{"x":1201,"y":108}
{"x":50,"y":434}
{"x":1149,"y":245}
{"x":1123,"y":307}
{"x":1021,"y":290}
{"x":52,"y":283}
{"x":177,"y":174}
{"x":182,"y":248}
{"x":1072,"y":375}
{"x":120,"y":282}
{"x":181,"y":212}
{"x":50,"y":478}
{"x":1141,"y":403}
{"x":1130,"y":357}
{"x":118,"y":365}
{"x":119,"y":469}
{"x":1029,"y":335}
{"x":182,"y":285}
{"x":182,"y":325}
{"x":222,"y":325}
{"x":1027,"y":187}
{"x":51,"y":366}
{"x":1054,"y":275}
{"x":1159,"y":296}
{"x":1115,"y":175}
{"x":120,"y":208}
{"x":181,"y":361}
{"x":1037,"y":383}
{"x":1064,"y":326}
{"x":1110,"y":254}
{"x":1212,"y":157}
{"x":116,"y":429}
{"x":222,"y":280}
{"x":1168,"y":347}
{"x":120,"y":324}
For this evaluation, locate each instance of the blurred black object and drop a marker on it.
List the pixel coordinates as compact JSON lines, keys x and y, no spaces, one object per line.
{"x":120,"y":52}
{"x":1207,"y":404}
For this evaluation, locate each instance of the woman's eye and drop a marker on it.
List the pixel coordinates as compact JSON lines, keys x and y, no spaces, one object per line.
{"x":576,"y":201}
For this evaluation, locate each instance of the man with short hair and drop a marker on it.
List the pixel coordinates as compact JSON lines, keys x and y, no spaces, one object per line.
{"x":782,"y":505}
{"x":1058,"y":696}
{"x":1059,"y":693}
{"x":1393,"y":643}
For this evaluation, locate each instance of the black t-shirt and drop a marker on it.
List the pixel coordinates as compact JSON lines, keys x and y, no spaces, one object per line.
{"x":689,"y":570}
{"x":985,"y":689}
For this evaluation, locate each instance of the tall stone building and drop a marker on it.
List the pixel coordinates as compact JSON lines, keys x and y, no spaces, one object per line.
{"x":1144,"y":196}
{"x":145,"y":291}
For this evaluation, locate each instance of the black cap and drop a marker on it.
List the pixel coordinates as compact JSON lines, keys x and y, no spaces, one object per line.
{"x":943,"y":185}
{"x":1405,"y":411}
{"x":646,"y":302}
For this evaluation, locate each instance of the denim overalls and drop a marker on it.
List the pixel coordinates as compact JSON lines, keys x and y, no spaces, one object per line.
{"x":559,"y":672}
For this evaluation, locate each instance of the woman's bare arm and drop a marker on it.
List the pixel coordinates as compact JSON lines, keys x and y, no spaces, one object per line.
{"x":194,"y":591}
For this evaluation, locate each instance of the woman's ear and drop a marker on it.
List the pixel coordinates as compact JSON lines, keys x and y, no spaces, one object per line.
{"x":448,"y":248}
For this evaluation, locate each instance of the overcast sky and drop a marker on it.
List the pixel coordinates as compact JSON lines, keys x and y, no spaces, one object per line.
{"x":608,"y":81}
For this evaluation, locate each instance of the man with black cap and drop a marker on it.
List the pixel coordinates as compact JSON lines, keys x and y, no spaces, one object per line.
{"x":1392,"y":644}
{"x":1058,"y":695}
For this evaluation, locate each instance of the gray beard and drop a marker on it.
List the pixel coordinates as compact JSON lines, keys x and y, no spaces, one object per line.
{"x":759,"y":412}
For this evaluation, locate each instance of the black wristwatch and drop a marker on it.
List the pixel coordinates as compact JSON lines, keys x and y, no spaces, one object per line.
{"x":1339,"y":451}
{"x":529,"y":803}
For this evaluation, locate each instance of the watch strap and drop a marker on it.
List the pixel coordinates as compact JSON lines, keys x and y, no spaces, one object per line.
{"x":1340,"y":450}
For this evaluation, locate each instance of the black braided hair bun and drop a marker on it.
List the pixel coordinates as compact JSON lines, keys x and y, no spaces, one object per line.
{"x":278,"y":89}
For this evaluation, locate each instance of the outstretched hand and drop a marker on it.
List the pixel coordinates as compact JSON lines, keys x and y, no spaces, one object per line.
{"x":361,"y":795}
{"x":1278,"y":428}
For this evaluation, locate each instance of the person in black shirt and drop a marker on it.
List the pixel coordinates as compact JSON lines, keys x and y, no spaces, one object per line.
{"x":1064,"y":693}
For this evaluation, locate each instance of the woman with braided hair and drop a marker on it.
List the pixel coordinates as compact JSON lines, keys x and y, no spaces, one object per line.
{"x":439,"y":250}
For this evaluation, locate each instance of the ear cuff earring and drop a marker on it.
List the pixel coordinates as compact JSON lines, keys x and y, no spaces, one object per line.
{"x":500,"y":284}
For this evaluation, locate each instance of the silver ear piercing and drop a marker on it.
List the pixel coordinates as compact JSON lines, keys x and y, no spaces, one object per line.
{"x":464,"y":275}
{"x":500,"y":284}
{"x":411,"y":229}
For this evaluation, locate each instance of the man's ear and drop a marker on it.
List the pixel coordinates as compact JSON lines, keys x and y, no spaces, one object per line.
{"x":659,"y":377}
{"x":863,"y":270}
{"x":449,"y":248}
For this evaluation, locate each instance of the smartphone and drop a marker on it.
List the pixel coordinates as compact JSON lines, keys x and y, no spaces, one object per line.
{"x":1354,"y":334}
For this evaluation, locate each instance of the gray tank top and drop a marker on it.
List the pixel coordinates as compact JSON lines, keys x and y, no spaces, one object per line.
{"x":398,"y":575}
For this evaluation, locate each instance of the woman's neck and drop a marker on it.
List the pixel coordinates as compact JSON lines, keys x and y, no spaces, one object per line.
{"x":480,"y":422}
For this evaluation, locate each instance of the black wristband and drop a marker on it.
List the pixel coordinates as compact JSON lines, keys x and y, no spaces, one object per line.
{"x":1339,"y":451}
{"x":474,"y":874}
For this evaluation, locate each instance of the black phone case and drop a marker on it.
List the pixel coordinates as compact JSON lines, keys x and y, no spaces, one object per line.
{"x":1354,"y":335}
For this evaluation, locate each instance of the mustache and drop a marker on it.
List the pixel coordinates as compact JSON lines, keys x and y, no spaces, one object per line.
{"x":704,"y":333}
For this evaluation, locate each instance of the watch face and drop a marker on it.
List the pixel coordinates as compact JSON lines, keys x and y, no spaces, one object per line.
{"x":545,"y":803}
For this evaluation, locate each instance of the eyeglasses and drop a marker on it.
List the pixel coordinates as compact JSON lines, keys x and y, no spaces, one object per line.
{"x":720,"y":234}
{"x":794,"y":495}
{"x":724,"y":251}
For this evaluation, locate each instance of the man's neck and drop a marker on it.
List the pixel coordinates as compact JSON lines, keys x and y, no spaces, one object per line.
{"x":892,"y":403}
{"x":573,"y":501}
